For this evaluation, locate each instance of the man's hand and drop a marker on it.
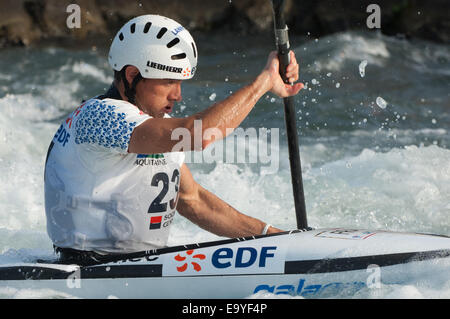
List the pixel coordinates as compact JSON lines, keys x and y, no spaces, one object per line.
{"x":276,"y":84}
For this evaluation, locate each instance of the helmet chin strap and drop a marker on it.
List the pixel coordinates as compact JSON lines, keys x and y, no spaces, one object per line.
{"x":130,"y":92}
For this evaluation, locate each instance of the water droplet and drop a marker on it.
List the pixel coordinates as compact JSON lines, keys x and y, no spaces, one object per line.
{"x":362,"y":68}
{"x":381,"y":102}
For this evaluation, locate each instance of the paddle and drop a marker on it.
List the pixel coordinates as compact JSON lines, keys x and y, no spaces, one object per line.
{"x":282,"y":43}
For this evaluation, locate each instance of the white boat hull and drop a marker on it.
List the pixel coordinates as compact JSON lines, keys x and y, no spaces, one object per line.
{"x":315,"y":263}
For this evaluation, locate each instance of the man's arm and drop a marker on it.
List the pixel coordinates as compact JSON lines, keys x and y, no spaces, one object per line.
{"x":212,"y":214}
{"x":154,"y":135}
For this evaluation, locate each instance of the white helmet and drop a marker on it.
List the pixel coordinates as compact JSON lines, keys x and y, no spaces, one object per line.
{"x":158,"y":46}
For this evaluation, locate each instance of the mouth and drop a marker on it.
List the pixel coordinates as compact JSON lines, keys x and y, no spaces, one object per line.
{"x":168,"y":109}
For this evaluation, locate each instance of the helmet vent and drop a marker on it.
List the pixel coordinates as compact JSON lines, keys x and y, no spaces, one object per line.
{"x":133,"y":27}
{"x":161,"y":32}
{"x":147,"y":27}
{"x":178,"y":56}
{"x":193,"y":48}
{"x":173,"y":42}
{"x":121,"y":36}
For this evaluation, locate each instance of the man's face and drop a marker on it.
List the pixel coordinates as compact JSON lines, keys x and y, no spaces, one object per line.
{"x":158,"y":96}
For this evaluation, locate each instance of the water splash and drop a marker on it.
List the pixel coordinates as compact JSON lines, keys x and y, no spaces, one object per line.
{"x":362,"y":68}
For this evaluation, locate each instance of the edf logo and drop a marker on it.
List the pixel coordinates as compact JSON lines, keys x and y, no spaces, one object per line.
{"x":62,"y":136}
{"x":245,"y":257}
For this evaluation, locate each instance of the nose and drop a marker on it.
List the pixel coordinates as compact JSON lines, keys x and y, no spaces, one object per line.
{"x":175,"y":93}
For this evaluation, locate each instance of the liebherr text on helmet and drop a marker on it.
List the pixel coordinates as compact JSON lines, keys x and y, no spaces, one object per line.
{"x":163,"y":67}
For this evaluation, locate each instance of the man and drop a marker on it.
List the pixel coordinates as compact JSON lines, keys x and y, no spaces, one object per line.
{"x":112,"y":179}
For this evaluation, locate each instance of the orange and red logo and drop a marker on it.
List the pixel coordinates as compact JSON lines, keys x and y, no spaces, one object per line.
{"x":186,"y":72}
{"x":190,"y":255}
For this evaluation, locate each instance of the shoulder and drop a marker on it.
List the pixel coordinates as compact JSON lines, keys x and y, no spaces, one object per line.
{"x":113,"y":105}
{"x":108,"y":123}
{"x":112,"y":110}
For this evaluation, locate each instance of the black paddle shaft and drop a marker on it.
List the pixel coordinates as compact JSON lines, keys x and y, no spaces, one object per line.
{"x":282,"y":43}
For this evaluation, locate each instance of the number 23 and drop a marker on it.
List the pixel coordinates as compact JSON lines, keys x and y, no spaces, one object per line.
{"x":157,"y":206}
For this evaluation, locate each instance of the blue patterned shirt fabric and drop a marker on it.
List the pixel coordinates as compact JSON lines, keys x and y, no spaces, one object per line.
{"x":101,"y":124}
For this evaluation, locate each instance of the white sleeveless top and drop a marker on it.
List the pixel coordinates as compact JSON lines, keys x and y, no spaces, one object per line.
{"x":99,"y":197}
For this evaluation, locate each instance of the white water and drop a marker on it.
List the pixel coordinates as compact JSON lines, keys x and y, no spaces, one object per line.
{"x":404,"y":189}
{"x":349,"y":180}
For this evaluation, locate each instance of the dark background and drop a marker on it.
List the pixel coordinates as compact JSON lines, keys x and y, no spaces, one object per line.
{"x":36,"y":22}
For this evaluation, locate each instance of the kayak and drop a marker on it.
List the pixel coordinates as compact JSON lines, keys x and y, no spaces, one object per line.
{"x":313,"y":263}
